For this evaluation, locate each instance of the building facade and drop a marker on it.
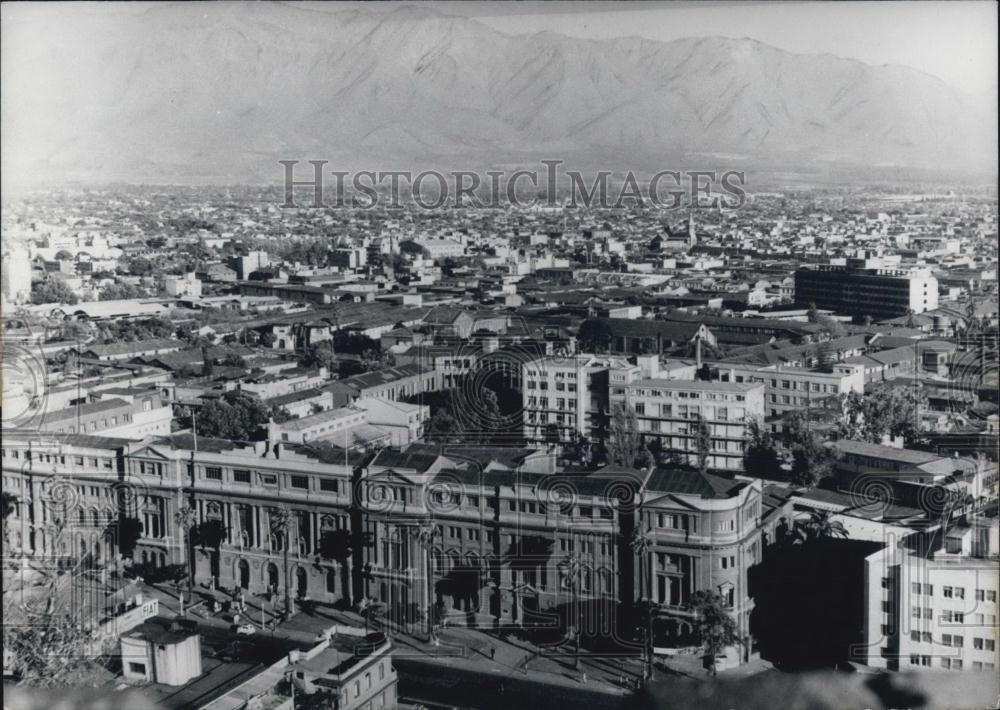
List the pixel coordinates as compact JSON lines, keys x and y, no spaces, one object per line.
{"x":670,"y":413}
{"x":876,"y":292}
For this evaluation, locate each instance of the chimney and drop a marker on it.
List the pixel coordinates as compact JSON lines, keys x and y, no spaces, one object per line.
{"x":697,"y":351}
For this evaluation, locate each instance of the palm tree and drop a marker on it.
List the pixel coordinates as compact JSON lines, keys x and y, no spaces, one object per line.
{"x":426,"y":533}
{"x":281,"y":523}
{"x":640,"y":544}
{"x":820,"y":525}
{"x":569,"y":570}
{"x":185,"y":518}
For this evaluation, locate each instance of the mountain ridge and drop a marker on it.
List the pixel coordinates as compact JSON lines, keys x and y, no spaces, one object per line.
{"x":161,"y":93}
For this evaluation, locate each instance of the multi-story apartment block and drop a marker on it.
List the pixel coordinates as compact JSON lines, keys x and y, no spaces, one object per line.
{"x":789,"y":389}
{"x":860,"y":290}
{"x":932,"y":603}
{"x":565,"y":396}
{"x":669,"y":412}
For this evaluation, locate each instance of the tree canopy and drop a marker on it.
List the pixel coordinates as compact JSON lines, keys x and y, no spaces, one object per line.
{"x":594,"y":336}
{"x":882,"y":411}
{"x":235,"y":415}
{"x":714,"y":627}
{"x":52,"y":289}
{"x":624,"y":440}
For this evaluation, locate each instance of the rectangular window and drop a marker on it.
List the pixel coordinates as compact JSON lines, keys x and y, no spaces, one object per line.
{"x":241,"y":476}
{"x":300,"y":482}
{"x":268,"y":479}
{"x":213,"y":473}
{"x":329,"y":485}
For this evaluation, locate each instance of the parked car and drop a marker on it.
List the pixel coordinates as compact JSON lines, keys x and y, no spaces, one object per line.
{"x":246,"y":629}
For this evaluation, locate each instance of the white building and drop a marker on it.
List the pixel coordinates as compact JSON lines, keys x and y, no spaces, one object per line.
{"x":186,"y":285}
{"x":16,"y":275}
{"x":934,"y":605}
{"x":668,"y":411}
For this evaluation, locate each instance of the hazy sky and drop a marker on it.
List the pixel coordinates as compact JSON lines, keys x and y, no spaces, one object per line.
{"x":956,"y":41}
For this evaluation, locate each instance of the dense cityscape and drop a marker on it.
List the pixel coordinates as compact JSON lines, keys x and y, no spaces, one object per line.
{"x":268,"y":453}
{"x":564,"y":438}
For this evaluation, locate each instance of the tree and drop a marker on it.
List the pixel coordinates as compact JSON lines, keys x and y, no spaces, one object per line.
{"x":624,"y":441}
{"x":811,"y":460}
{"x":120,"y":292}
{"x":281,"y":523}
{"x":52,"y":289}
{"x":832,"y":327}
{"x":812,"y":314}
{"x":336,"y":545}
{"x":569,"y":572}
{"x":236,"y":415}
{"x":373,"y":611}
{"x":820,"y":525}
{"x":322,"y":354}
{"x":825,"y":356}
{"x":50,"y":647}
{"x":882,"y":411}
{"x":714,"y":627}
{"x":581,"y":449}
{"x":185,"y":518}
{"x":443,"y":426}
{"x":233,"y":360}
{"x":760,"y":454}
{"x":8,"y":503}
{"x":702,"y":443}
{"x":594,"y":335}
{"x":489,"y":419}
{"x":426,"y":533}
{"x":640,"y":544}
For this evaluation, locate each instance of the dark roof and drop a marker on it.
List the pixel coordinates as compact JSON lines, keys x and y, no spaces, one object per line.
{"x":381,"y":377}
{"x":651,"y":328}
{"x":137,"y":346}
{"x":42,"y":438}
{"x":444,"y":315}
{"x":292,"y":397}
{"x":684,"y":482}
{"x":185,"y":442}
{"x":84,"y":410}
{"x":484,"y":455}
{"x":418,"y":457}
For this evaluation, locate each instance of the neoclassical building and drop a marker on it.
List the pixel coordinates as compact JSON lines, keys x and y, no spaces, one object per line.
{"x":454,"y":534}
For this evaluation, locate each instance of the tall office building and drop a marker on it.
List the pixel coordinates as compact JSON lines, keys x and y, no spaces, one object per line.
{"x":863,"y":287}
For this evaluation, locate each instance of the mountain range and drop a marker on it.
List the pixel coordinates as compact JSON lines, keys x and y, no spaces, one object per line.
{"x":220,"y":92}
